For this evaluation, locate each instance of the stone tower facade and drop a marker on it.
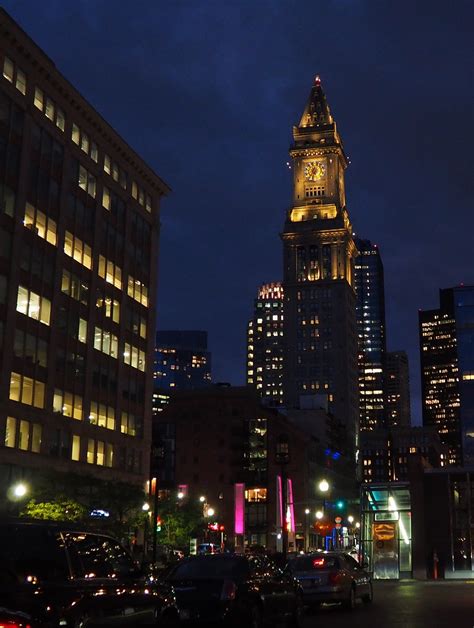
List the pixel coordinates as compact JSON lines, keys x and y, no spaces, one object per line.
{"x":320,"y":336}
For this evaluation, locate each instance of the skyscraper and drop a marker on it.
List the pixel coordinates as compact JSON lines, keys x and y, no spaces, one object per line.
{"x":319,"y":309}
{"x":370,"y":308}
{"x":397,"y":390}
{"x":182,"y":360}
{"x":447,"y":371}
{"x":265,"y":344}
{"x":79,"y":218}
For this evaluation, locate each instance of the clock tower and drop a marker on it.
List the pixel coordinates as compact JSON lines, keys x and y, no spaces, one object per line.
{"x":320,"y":356}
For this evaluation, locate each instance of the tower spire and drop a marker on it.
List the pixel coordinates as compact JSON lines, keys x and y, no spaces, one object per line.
{"x":317,"y":109}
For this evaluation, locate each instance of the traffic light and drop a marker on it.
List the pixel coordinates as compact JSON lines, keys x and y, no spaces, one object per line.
{"x":158,"y":524}
{"x":340,"y":504}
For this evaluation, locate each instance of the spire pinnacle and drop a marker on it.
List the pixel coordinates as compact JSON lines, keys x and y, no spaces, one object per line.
{"x":317,"y":110}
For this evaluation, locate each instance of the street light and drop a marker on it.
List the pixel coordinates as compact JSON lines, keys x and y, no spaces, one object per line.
{"x":323,"y":486}
{"x":210,"y":512}
{"x":180,"y":495}
{"x":319,"y":514}
{"x":146,"y":507}
{"x":202,"y":499}
{"x":350,"y":519}
{"x":20,"y":490}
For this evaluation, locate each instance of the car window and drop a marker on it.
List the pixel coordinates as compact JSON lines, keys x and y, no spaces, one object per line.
{"x":210,"y":567}
{"x":30,"y":553}
{"x":351,"y":562}
{"x":88,"y":555}
{"x":310,"y":563}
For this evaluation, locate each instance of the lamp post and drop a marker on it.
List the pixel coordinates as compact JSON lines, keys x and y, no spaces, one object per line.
{"x":324,"y":488}
{"x":282,"y":458}
{"x":306,"y":529}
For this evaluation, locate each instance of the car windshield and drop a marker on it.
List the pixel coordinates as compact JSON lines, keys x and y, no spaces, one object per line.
{"x":30,"y":553}
{"x":308,"y":563}
{"x":210,"y":567}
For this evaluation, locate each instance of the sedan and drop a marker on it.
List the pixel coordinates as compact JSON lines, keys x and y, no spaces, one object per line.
{"x":237,"y":590}
{"x":64,"y":575}
{"x":331,"y":577}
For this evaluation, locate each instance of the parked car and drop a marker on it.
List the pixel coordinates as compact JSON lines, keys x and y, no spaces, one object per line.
{"x":331,"y":577}
{"x":61,"y":575}
{"x":208,"y":548}
{"x":237,"y":590}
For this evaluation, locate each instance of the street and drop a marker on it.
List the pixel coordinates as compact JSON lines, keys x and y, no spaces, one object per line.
{"x":410,"y":604}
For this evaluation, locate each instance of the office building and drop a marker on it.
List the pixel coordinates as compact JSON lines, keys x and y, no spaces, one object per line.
{"x":447,"y":371}
{"x":370,"y":309}
{"x":397,"y":389}
{"x":182,"y":362}
{"x":265,"y":344}
{"x":79,"y":224}
{"x":320,"y":335}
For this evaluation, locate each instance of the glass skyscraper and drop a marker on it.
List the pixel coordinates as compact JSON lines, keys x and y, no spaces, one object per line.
{"x":370,"y":309}
{"x":447,"y":371}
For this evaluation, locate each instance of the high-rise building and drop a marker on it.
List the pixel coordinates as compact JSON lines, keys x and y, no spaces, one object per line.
{"x":79,"y":225}
{"x":319,"y":250}
{"x":397,"y":390}
{"x":447,"y":371}
{"x":265,"y":344}
{"x":370,"y":308}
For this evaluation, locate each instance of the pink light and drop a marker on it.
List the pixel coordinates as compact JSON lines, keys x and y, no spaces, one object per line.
{"x":291,"y":523}
{"x":239,"y":508}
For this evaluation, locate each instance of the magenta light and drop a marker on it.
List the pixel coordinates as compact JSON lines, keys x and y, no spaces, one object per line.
{"x":239,"y":508}
{"x":291,"y":523}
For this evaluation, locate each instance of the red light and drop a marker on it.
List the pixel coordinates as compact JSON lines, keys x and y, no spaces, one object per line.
{"x":221,"y":528}
{"x":229,"y":590}
{"x":318,"y":562}
{"x":12,"y":624}
{"x":334,"y":578}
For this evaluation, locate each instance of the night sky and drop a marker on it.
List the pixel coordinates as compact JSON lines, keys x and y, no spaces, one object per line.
{"x":207,"y":93}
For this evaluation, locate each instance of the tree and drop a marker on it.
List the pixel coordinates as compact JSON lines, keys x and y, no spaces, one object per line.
{"x":61,"y":509}
{"x":180,"y":521}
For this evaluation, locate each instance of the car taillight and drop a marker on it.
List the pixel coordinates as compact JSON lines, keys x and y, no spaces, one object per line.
{"x":11,"y":623}
{"x":334,"y":578}
{"x":229,"y":590}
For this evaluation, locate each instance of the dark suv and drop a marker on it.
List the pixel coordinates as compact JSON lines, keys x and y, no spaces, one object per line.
{"x":61,"y":575}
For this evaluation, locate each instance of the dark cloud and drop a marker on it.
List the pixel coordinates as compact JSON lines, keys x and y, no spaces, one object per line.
{"x":207,"y":93}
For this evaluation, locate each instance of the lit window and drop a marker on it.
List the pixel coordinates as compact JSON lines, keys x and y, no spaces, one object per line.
{"x":106,"y":200}
{"x":107,"y":164}
{"x":60,"y":119}
{"x":106,"y":342}
{"x":76,"y":447}
{"x":49,"y":109}
{"x":82,"y":330}
{"x":102,"y":415}
{"x":75,"y":134}
{"x":109,"y":307}
{"x":33,"y":305}
{"x":78,"y":250}
{"x":41,"y":224}
{"x":10,"y":433}
{"x":26,"y":390}
{"x":8,"y":69}
{"x":133,"y":356}
{"x":39,"y":98}
{"x":86,"y":181}
{"x":20,"y":82}
{"x":137,"y":290}
{"x":90,"y":451}
{"x":68,"y":404}
{"x":110,"y":272}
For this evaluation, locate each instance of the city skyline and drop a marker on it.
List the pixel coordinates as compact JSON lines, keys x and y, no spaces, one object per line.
{"x":231,"y":104}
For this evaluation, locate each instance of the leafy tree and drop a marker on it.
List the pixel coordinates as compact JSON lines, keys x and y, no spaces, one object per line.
{"x":61,"y":509}
{"x":180,"y":520}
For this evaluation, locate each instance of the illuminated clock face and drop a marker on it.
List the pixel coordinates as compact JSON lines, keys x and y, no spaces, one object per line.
{"x":314,"y":170}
